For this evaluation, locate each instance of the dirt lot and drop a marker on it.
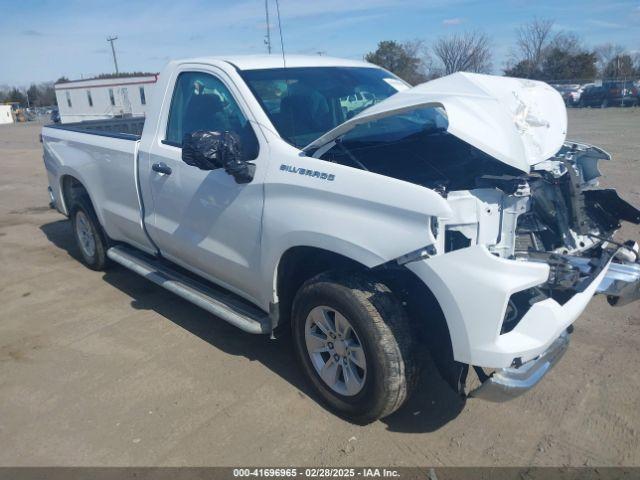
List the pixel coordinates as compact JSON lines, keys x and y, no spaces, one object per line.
{"x":108,"y":369}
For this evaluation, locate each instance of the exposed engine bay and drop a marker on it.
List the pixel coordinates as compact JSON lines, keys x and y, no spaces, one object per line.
{"x":555,"y":214}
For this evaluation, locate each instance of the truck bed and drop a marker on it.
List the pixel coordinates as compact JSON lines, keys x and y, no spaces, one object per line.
{"x":103,"y":155}
{"x":127,"y":128}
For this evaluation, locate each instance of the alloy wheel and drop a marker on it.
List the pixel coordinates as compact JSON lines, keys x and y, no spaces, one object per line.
{"x":335,"y":350}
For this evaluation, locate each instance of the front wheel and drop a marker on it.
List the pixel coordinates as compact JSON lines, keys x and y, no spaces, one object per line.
{"x":353,"y":339}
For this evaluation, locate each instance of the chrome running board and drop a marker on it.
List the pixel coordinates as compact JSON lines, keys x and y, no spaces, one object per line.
{"x":222,"y":304}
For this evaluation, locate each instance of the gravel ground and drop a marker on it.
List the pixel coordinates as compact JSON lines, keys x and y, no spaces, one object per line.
{"x":109,"y":369}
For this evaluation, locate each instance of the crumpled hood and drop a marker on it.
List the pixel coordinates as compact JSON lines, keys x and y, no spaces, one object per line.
{"x":519,"y":122}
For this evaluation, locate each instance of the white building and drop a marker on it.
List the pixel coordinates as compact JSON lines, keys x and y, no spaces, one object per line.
{"x":6,"y":116}
{"x":97,"y":99}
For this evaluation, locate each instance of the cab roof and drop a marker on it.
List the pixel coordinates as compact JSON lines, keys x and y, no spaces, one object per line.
{"x":260,"y":62}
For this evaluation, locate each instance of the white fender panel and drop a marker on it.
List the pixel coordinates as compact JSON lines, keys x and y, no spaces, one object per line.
{"x":364,"y":216}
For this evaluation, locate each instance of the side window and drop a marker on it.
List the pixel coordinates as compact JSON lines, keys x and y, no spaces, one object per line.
{"x":89,"y":99}
{"x":202,"y":102}
{"x":112,"y":99}
{"x":68,"y":98}
{"x":143,"y":98}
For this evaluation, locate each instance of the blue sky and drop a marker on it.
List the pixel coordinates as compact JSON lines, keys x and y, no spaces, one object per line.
{"x":42,"y":40}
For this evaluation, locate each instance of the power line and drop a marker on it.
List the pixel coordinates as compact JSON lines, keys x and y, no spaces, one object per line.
{"x":284,"y":61}
{"x":268,"y":39}
{"x":113,"y":50}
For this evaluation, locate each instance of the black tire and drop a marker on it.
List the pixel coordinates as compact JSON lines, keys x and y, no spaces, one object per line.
{"x":82,"y":210}
{"x":385,"y":335}
{"x":605,"y":103}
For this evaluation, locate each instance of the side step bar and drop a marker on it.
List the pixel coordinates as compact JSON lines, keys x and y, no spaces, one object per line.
{"x":220,"y":303}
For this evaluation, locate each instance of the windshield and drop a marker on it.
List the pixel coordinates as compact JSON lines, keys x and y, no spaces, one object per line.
{"x":397,"y":127}
{"x":305,"y":103}
{"x":416,"y":147}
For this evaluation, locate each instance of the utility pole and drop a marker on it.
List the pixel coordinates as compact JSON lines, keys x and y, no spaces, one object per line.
{"x":113,"y":50}
{"x":267,"y":40}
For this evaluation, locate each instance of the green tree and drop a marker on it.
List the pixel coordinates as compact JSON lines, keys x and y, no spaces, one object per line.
{"x":560,"y":64}
{"x":15,"y":95}
{"x":401,"y":59}
{"x":524,"y":69}
{"x":33,"y":96}
{"x":47,"y":95}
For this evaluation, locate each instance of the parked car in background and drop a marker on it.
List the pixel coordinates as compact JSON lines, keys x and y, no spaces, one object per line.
{"x":570,"y":93}
{"x":356,"y":102}
{"x":30,"y":114}
{"x":610,"y":94}
{"x":55,"y":115}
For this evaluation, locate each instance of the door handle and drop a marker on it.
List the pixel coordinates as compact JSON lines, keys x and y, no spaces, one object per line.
{"x":161,"y":168}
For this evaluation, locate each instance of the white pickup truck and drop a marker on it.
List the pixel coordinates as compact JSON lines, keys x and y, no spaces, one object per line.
{"x":451,"y":217}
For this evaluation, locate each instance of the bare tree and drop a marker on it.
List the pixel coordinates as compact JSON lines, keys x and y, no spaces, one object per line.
{"x":532,"y":40}
{"x":418,"y":48}
{"x":568,"y":42}
{"x":606,"y":53}
{"x":636,"y":63}
{"x":469,"y":52}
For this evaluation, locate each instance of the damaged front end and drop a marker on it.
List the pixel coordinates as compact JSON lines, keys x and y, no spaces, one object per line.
{"x":556,"y":215}
{"x":530,"y":236}
{"x":559,"y":217}
{"x":562,"y":218}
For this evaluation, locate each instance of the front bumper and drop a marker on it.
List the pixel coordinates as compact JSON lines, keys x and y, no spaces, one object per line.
{"x":508,"y":383}
{"x":473,"y":288}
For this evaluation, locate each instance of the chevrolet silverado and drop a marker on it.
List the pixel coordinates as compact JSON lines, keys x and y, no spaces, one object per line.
{"x":451,"y":217}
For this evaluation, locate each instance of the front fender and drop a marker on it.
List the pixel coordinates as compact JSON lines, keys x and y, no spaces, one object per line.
{"x":361,"y":215}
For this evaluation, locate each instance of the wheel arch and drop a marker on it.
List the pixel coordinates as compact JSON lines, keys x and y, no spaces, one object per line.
{"x":300,"y":263}
{"x":428,"y":318}
{"x":71,"y":186}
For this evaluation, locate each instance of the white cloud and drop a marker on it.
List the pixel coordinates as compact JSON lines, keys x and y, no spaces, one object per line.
{"x":605,"y":24}
{"x":448,"y":22}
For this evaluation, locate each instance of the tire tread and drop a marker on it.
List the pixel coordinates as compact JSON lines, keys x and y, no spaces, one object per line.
{"x":392,"y":329}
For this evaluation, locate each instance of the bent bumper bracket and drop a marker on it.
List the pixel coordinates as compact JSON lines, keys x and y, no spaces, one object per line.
{"x":621,"y":283}
{"x":508,"y":383}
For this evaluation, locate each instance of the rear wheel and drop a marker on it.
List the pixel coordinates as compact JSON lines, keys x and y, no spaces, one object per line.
{"x":353,"y":339}
{"x":88,"y":232}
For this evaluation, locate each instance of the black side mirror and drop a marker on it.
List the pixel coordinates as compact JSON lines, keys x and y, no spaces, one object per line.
{"x":212,"y":150}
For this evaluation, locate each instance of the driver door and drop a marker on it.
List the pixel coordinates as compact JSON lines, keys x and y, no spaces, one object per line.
{"x":204,"y":220}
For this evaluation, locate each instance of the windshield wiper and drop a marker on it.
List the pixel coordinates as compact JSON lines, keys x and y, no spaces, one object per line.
{"x":351,"y":157}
